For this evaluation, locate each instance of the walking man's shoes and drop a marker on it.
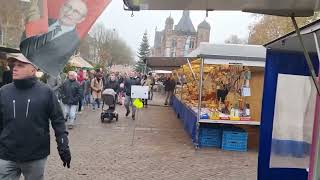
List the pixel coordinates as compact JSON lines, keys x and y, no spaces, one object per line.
{"x":133,"y":117}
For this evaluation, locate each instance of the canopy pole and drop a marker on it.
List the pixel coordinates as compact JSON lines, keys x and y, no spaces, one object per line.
{"x":182,"y":83}
{"x":194,"y":76}
{"x":314,"y":160}
{"x":306,"y":54}
{"x":199,"y":102}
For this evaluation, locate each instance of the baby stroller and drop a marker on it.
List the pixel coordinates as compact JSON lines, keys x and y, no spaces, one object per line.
{"x":108,"y":98}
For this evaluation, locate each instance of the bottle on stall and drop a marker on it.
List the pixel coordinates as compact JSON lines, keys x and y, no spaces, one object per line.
{"x":236,"y":111}
{"x":247,"y":110}
{"x":232,"y":114}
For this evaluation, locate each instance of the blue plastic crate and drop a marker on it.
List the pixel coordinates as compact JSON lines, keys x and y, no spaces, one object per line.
{"x":235,"y":135}
{"x":216,"y":132}
{"x":210,"y":137}
{"x":235,"y":146}
{"x":234,"y":139}
{"x":210,"y":133}
{"x":210,"y":142}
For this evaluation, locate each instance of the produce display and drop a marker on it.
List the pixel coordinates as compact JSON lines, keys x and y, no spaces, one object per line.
{"x":225,"y":91}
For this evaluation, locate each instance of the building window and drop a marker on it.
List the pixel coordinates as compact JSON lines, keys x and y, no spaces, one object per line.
{"x":191,"y":45}
{"x":173,"y":54}
{"x":174,"y":43}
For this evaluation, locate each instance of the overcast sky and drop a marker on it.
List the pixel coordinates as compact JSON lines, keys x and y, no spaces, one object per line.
{"x":131,"y":29}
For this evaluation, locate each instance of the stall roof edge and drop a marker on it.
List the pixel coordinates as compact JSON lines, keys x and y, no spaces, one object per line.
{"x":301,"y":8}
{"x":208,"y":50}
{"x":166,"y":63}
{"x":310,"y":25}
{"x":290,"y":41}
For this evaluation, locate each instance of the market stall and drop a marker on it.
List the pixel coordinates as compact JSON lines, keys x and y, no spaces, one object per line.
{"x":163,"y":66}
{"x":231,"y":81}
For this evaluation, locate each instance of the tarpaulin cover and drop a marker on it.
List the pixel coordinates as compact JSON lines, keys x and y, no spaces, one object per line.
{"x":187,"y":116}
{"x":286,"y":111}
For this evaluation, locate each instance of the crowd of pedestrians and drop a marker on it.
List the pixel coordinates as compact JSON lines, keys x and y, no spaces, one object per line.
{"x":24,"y":123}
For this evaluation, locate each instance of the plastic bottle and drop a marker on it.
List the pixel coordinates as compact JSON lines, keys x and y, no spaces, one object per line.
{"x":247,"y":110}
{"x":232,"y":113}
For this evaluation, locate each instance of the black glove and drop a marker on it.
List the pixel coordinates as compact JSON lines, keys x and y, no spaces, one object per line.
{"x":64,"y":151}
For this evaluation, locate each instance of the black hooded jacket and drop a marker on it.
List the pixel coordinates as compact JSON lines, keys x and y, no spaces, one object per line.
{"x":25,"y":109}
{"x":130,"y":82}
{"x":112,"y":85}
{"x":70,"y":92}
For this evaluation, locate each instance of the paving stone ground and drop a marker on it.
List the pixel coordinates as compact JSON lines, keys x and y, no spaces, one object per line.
{"x":154,"y":146}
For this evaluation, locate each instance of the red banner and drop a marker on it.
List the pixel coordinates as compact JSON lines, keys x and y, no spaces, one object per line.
{"x":54,"y":29}
{"x":37,"y":18}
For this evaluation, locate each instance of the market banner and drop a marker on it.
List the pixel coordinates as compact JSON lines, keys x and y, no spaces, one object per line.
{"x":54,"y":29}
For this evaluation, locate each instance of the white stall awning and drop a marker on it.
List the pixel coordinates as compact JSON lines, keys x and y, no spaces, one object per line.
{"x":165,"y":63}
{"x":78,"y":61}
{"x":247,"y":55}
{"x":271,"y":7}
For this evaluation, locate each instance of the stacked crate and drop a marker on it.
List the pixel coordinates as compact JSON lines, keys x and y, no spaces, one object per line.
{"x":234,"y":139}
{"x":210,"y":136}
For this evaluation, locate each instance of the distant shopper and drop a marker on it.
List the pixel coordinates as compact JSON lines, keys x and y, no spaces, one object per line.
{"x":96,"y":87}
{"x":80,"y":80}
{"x":87,"y":91}
{"x":6,"y":76}
{"x":112,"y":83}
{"x":70,"y":95}
{"x":128,"y":100}
{"x":146,"y":81}
{"x":152,"y":84}
{"x":54,"y":83}
{"x":169,"y":87}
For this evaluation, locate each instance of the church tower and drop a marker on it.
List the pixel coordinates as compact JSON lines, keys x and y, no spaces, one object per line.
{"x":203,"y":34}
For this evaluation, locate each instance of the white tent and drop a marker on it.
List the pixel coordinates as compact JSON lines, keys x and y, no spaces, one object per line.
{"x":78,"y":61}
{"x":165,"y":63}
{"x":247,"y":55}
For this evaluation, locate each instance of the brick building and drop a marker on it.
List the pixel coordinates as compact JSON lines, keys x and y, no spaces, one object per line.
{"x":181,"y":39}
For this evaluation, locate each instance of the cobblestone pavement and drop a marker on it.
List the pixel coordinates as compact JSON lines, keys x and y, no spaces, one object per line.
{"x":154,"y":146}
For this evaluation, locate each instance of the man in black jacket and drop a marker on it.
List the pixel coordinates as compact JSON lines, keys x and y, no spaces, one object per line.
{"x":128,"y":100}
{"x":70,"y":95}
{"x":26,"y":105}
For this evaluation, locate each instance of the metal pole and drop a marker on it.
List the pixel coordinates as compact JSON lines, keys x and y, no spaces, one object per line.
{"x":181,"y":93}
{"x":316,"y":162}
{"x":306,"y":54}
{"x":193,"y":74}
{"x":199,"y":102}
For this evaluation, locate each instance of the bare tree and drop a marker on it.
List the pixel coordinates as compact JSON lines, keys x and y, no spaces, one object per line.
{"x":12,"y":15}
{"x":234,"y":39}
{"x":108,"y":47}
{"x":268,"y":28}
